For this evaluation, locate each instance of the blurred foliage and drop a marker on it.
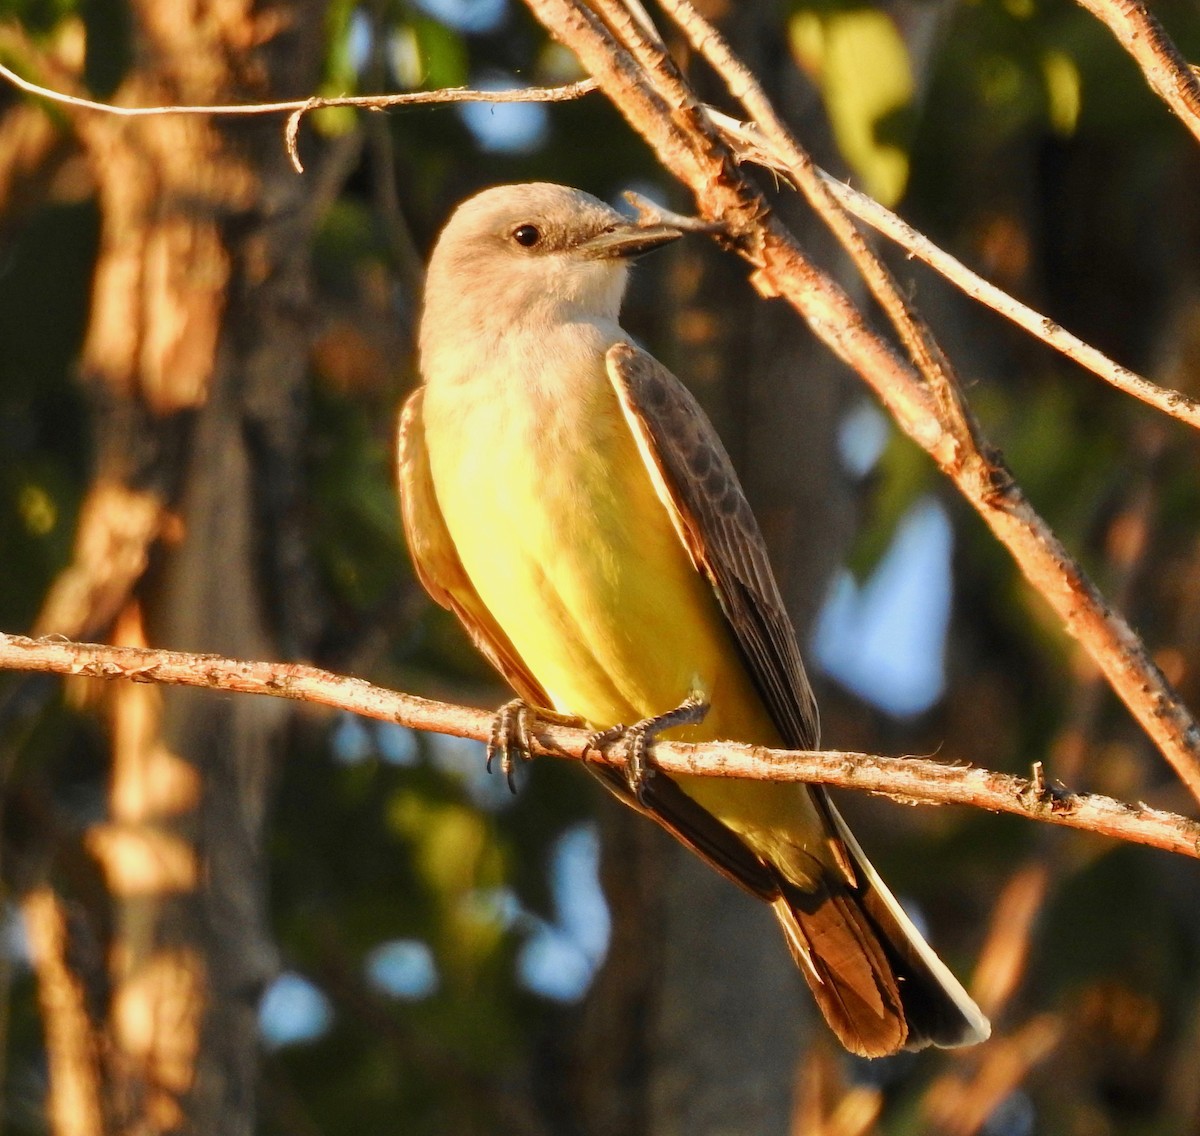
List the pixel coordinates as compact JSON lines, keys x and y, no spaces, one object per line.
{"x":1028,"y":145}
{"x":859,"y":61}
{"x":43,"y":427}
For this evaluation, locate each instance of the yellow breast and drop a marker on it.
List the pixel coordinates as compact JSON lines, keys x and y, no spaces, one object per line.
{"x":558,"y":524}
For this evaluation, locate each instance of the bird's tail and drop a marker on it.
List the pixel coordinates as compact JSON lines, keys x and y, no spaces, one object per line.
{"x":876,"y":980}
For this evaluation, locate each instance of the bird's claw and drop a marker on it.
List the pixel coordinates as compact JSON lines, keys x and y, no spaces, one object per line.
{"x":512,"y":733}
{"x":637,"y":770}
{"x":639,"y":767}
{"x":509,"y":738}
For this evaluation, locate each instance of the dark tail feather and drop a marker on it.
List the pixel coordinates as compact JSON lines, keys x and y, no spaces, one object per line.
{"x":876,"y":980}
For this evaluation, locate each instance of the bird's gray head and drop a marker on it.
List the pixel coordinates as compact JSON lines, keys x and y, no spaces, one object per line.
{"x":537,"y":251}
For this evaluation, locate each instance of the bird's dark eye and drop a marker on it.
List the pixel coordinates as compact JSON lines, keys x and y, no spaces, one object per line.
{"x":527,"y":235}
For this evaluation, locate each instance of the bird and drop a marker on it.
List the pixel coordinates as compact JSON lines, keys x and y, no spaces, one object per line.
{"x":565,"y":496}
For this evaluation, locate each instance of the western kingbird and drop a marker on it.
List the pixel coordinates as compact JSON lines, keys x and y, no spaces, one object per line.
{"x":566,"y":497}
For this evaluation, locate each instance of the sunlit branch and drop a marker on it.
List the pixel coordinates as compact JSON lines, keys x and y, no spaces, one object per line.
{"x":917,"y":338}
{"x":909,"y":779}
{"x":961,"y":1099}
{"x":751,"y":145}
{"x":75,"y":1101}
{"x":647,"y":88}
{"x":1167,"y":72}
{"x":297,"y":108}
{"x":1171,"y":402}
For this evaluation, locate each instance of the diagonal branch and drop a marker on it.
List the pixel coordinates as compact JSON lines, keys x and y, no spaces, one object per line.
{"x":1167,"y":72}
{"x":689,"y":145}
{"x":75,"y":1103}
{"x":750,"y":145}
{"x":1174,"y":403}
{"x":617,"y":42}
{"x":916,"y":336}
{"x":907,"y":779}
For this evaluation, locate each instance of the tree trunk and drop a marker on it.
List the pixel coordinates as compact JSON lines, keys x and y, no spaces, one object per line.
{"x":195,"y":359}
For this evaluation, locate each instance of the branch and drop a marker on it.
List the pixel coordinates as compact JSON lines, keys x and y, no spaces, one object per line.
{"x":296,"y":109}
{"x":1132,"y":24}
{"x":639,"y":76}
{"x":750,"y":145}
{"x":1171,"y":402}
{"x":1165,"y":69}
{"x":908,"y":779}
{"x":960,"y":1101}
{"x":645,"y":86}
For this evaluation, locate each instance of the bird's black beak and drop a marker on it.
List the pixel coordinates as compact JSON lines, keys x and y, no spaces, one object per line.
{"x":627,"y":240}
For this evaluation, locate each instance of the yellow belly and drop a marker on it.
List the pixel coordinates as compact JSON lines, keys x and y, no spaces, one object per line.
{"x":575,"y":556}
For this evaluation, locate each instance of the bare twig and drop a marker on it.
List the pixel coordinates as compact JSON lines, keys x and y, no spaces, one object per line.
{"x":941,"y":423}
{"x":1171,"y":402}
{"x":827,"y":1102}
{"x":751,"y":145}
{"x":116,"y":529}
{"x":908,"y":779}
{"x":916,"y":336}
{"x":1005,"y":953}
{"x":691,"y":147}
{"x":1165,"y":69}
{"x":366,"y":102}
{"x":297,"y":108}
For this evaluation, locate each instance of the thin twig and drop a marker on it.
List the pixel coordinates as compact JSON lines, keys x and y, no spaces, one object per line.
{"x":1004,"y":956}
{"x":750,"y":144}
{"x":297,"y":108}
{"x":367,"y":102}
{"x":909,"y":779}
{"x":914,"y":333}
{"x":1171,"y":402}
{"x":960,"y":1103}
{"x":965,"y":456}
{"x":1162,"y":63}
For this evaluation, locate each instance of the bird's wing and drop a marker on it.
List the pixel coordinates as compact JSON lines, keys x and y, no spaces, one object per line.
{"x":879,"y":984}
{"x":436,"y":559}
{"x":697,"y":485}
{"x":444,"y":578}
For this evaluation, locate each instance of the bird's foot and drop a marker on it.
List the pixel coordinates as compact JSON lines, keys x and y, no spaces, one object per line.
{"x":512,"y":729}
{"x":640,"y":736}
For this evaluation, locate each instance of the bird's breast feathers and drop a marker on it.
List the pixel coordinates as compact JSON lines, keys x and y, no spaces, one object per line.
{"x":557,"y":522}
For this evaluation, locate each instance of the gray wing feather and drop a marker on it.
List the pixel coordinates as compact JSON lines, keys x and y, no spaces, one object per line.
{"x":698,"y":486}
